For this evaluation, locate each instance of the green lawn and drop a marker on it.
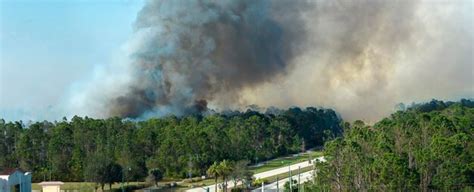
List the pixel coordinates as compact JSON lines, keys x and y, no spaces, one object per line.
{"x":285,"y":161}
{"x":200,"y":183}
{"x":87,"y":186}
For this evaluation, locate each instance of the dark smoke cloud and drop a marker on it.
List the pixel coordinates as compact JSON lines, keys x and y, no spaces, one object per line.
{"x":359,"y":57}
{"x":194,"y":50}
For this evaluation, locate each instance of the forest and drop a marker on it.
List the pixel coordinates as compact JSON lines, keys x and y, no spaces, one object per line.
{"x":100,"y":150}
{"x":423,"y":148}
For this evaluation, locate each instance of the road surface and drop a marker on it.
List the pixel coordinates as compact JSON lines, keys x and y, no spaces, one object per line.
{"x":272,"y":187}
{"x":294,"y":169}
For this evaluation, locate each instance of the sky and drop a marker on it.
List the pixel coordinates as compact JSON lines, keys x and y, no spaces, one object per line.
{"x":141,"y":59}
{"x":47,"y":45}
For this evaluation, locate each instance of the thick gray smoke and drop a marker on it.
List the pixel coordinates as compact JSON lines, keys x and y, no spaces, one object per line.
{"x":360,"y":57}
{"x":194,"y":50}
{"x":364,"y":57}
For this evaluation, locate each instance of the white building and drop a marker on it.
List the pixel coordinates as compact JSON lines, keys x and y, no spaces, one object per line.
{"x":15,"y":180}
{"x":51,"y":186}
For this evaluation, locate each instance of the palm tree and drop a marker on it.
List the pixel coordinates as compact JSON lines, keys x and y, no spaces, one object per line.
{"x":225,"y":169}
{"x":214,"y":171}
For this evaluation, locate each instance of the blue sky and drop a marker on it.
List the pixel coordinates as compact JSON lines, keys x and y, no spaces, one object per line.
{"x":57,"y":55}
{"x":45,"y":46}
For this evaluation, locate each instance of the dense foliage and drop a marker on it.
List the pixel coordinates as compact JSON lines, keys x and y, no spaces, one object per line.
{"x":92,"y":149}
{"x":426,"y":147}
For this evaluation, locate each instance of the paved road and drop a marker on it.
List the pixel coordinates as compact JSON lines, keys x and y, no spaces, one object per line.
{"x":272,"y":187}
{"x":265,"y":174}
{"x":282,"y":170}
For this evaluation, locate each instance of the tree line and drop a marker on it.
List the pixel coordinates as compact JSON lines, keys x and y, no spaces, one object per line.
{"x":424,"y":148}
{"x":104,"y":150}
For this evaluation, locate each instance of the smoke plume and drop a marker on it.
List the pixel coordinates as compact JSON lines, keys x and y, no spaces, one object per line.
{"x":360,"y":57}
{"x":364,"y":57}
{"x":194,"y":50}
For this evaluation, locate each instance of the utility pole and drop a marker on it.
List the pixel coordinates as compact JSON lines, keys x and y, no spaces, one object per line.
{"x":263,"y":186}
{"x":278,"y":187}
{"x":291,"y":180}
{"x":299,"y":176}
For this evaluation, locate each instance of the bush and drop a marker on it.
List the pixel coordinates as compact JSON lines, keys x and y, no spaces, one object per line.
{"x":129,"y":188}
{"x":294,"y":186}
{"x":236,"y":190}
{"x":258,"y":182}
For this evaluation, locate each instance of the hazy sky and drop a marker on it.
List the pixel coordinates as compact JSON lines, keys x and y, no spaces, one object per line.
{"x":79,"y":57}
{"x":47,"y":45}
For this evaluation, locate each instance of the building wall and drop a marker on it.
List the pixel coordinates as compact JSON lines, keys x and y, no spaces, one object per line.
{"x":51,"y":189}
{"x":6,"y":183}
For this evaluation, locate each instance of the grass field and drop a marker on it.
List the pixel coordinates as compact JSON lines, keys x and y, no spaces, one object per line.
{"x":285,"y":161}
{"x":286,"y":175}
